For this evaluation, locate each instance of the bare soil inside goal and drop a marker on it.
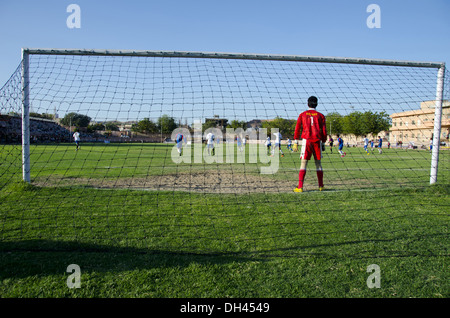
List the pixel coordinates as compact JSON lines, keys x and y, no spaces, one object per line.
{"x":204,"y":182}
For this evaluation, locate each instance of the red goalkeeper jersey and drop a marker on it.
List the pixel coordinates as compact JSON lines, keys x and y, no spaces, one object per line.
{"x":312,"y":125}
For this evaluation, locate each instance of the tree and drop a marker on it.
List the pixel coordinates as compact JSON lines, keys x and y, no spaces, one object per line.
{"x":77,"y":120}
{"x":145,"y":126}
{"x":93,"y":127}
{"x":285,"y":126}
{"x":384,"y":122}
{"x":359,"y":124}
{"x":373,"y":123}
{"x":368,"y":120}
{"x":209,"y":124}
{"x":43,"y":115}
{"x":334,"y":122}
{"x":352,"y":124}
{"x":238,"y":124}
{"x":111,"y":126}
{"x":166,"y":124}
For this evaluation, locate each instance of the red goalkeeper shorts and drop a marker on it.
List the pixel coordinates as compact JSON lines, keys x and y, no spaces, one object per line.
{"x":311,"y":148}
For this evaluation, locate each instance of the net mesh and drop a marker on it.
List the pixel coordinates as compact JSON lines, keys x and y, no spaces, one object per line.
{"x":127,"y":184}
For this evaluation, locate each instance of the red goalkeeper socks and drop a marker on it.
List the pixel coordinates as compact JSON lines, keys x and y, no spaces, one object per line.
{"x":320,"y":177}
{"x":301,"y":177}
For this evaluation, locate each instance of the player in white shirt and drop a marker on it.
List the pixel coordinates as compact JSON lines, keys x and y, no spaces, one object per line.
{"x":366,"y":144}
{"x":76,"y":137}
{"x":268,"y":144}
{"x":278,"y":138}
{"x":289,"y":145}
{"x":210,"y":143}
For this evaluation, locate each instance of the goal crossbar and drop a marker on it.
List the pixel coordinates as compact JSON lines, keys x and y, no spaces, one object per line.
{"x":236,"y":56}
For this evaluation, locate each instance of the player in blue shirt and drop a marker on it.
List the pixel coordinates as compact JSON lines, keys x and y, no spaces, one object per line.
{"x":341,"y":146}
{"x":239,"y":143}
{"x":179,"y":140}
{"x":331,"y":144}
{"x":268,"y":145}
{"x":380,"y":144}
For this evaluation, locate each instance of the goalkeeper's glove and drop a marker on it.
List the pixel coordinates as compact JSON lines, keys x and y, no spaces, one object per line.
{"x":295,"y":146}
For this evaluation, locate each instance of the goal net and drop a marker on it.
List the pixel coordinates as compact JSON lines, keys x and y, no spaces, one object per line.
{"x":129,"y":108}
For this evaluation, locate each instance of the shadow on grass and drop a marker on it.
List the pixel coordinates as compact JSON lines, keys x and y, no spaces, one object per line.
{"x":47,"y":257}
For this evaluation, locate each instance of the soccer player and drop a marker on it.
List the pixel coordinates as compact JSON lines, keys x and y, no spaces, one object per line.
{"x":366,"y":144}
{"x":289,"y":145}
{"x":331,"y":144}
{"x":314,"y":136}
{"x":371,"y":144}
{"x":179,"y":140}
{"x":239,"y":143}
{"x":210,"y":143}
{"x":76,"y":137}
{"x":380,"y":144}
{"x":278,"y":138}
{"x":268,"y":145}
{"x":341,"y":146}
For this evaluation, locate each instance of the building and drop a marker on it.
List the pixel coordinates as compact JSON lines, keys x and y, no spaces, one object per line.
{"x":417,"y":126}
{"x":220,"y":123}
{"x":254,"y":124}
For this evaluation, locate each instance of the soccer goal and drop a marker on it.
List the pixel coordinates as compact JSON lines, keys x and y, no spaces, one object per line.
{"x":131,"y":97}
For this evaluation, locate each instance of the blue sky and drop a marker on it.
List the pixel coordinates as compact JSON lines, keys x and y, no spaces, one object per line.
{"x":416,"y":30}
{"x":410,"y":29}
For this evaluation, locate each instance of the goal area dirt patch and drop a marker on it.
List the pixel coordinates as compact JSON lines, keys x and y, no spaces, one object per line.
{"x":203,"y":182}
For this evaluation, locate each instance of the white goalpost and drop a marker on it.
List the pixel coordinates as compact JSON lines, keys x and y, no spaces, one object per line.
{"x":437,"y":124}
{"x":25,"y":116}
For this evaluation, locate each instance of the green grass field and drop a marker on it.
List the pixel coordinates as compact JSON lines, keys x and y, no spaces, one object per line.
{"x":139,"y":225}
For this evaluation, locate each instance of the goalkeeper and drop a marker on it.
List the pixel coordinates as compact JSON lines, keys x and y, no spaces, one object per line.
{"x":314,"y":136}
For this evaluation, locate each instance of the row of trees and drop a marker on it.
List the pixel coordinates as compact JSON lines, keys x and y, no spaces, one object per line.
{"x":164,"y":124}
{"x":83,"y":121}
{"x":356,"y":123}
{"x":43,"y":115}
{"x":77,"y":120}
